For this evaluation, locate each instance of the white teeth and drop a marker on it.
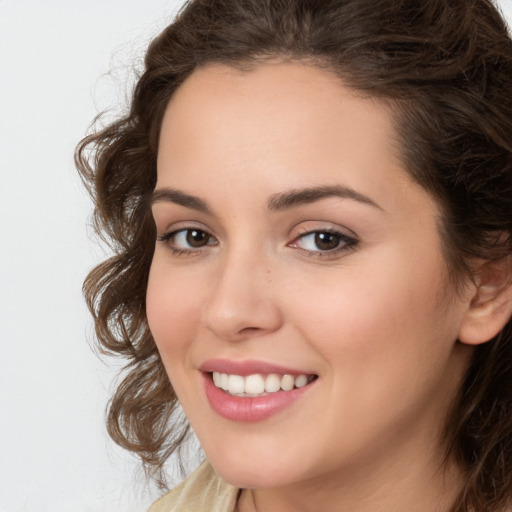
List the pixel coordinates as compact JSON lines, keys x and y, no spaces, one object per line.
{"x":301,"y":381}
{"x":236,"y":384}
{"x":224,"y":381}
{"x":257,"y":384}
{"x":254,"y":384}
{"x":287,"y":382}
{"x":272,"y":383}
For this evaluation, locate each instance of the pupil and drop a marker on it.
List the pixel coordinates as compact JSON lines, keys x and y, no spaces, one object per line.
{"x":197,"y":238}
{"x":327,"y":241}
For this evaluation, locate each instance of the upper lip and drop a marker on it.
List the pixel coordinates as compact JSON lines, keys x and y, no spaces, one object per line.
{"x":248,"y":367}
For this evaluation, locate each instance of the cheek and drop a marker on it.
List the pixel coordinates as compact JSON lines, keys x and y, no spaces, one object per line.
{"x":387,"y":344}
{"x":172,"y":308}
{"x":386,"y":319}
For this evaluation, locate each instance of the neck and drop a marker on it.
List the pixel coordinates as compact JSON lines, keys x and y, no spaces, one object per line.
{"x":395,"y":485}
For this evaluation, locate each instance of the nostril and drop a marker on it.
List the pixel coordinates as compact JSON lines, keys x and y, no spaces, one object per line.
{"x":233,"y":315}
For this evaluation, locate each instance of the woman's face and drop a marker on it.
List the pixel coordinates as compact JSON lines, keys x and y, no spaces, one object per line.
{"x":296,"y":256}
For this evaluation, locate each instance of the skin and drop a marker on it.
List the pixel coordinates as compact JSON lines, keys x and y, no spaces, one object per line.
{"x":377,"y":321}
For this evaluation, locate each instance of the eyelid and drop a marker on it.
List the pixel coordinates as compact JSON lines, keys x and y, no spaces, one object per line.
{"x":308,"y":227}
{"x":166,"y":225}
{"x":349,"y":240}
{"x":171,"y":233}
{"x":173,"y":230}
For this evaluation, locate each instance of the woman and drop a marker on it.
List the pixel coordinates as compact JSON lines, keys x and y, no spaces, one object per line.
{"x":310,"y":205}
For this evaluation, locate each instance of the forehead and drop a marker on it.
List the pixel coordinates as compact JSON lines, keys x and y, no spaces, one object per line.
{"x":224,"y":111}
{"x":278,"y":126}
{"x":290,"y":93}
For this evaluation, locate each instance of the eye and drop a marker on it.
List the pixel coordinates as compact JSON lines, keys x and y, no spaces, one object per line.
{"x":188,"y":240}
{"x":192,"y":238}
{"x":325,"y":241}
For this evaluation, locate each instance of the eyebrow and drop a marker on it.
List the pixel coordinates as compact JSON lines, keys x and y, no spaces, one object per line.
{"x":299,"y":197}
{"x":180,"y":198}
{"x":277,"y":202}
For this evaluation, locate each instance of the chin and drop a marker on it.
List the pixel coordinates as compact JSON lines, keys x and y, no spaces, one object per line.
{"x":256,"y":468}
{"x":245,"y":476}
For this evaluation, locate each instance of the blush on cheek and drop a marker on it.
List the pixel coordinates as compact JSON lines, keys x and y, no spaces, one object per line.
{"x":172,"y":311}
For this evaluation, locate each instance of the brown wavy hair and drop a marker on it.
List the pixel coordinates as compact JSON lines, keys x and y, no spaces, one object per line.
{"x":446,"y":68}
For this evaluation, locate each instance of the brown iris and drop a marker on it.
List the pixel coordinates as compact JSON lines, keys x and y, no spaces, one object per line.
{"x":326,"y":241}
{"x":197,"y":238}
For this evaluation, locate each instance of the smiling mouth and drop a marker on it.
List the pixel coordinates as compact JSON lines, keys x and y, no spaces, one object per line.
{"x":258,"y":385}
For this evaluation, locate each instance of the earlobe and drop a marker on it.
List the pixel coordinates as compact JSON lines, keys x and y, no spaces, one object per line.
{"x":490,"y":306}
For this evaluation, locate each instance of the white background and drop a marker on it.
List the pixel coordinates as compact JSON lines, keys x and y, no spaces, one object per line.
{"x":55,"y":455}
{"x":60,"y":63}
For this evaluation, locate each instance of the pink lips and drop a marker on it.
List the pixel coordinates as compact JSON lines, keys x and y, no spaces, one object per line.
{"x":248,"y":409}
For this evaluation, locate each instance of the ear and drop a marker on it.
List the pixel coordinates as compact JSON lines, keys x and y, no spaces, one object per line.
{"x":490,"y":306}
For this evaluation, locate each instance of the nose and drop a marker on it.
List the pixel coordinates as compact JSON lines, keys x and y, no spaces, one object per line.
{"x":243,"y":300}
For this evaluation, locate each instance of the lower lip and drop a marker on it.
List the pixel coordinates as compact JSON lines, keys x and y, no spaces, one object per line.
{"x":247,"y":409}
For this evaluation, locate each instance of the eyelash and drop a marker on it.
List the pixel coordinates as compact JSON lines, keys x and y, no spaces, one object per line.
{"x":345,"y":242}
{"x":169,"y":240}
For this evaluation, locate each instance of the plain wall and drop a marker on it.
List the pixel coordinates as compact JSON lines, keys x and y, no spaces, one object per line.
{"x":55,"y":57}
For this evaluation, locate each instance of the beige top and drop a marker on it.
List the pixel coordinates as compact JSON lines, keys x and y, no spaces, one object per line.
{"x":202,"y":491}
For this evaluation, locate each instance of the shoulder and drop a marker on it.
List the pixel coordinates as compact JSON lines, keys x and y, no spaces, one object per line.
{"x":202,"y":491}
